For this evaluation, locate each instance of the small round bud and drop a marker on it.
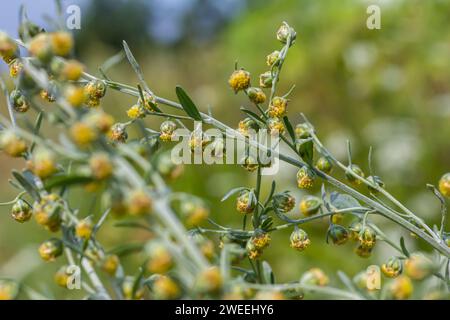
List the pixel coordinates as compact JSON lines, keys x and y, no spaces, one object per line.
{"x":99,"y":120}
{"x":249,"y":163}
{"x":51,"y":249}
{"x":21,"y":211}
{"x":46,"y":212}
{"x":43,"y":163}
{"x":83,"y":134}
{"x":315,"y":276}
{"x":95,"y":89}
{"x":285,"y":32}
{"x":136,"y":112}
{"x":84,"y":228}
{"x":75,"y":95}
{"x":272,"y":58}
{"x":248,"y":127}
{"x":61,"y":277}
{"x":305,"y":178}
{"x":72,"y":70}
{"x":392,"y":268}
{"x":418,"y":266}
{"x":401,"y":288}
{"x":139,"y":203}
{"x":367,"y":237}
{"x":159,"y":258}
{"x":62,"y":43}
{"x":164,"y":288}
{"x":149,"y":103}
{"x":376,"y":183}
{"x":302,"y":131}
{"x":110,"y":264}
{"x":284,"y":202}
{"x":9,"y":289}
{"x":256,"y":95}
{"x":245,"y":203}
{"x":101,"y":166}
{"x":338,"y":234}
{"x":252,"y":252}
{"x":299,"y":239}
{"x":444,"y":185}
{"x":15,"y":67}
{"x":40,"y":47}
{"x":363,"y":252}
{"x":19,"y":101}
{"x":355,"y":169}
{"x":195,"y":212}
{"x":324,"y":165}
{"x":275,"y":126}
{"x":11,"y":144}
{"x":277,"y":107}
{"x":239,"y":80}
{"x":167,"y":129}
{"x":310,"y":205}
{"x":8,"y":48}
{"x":265,"y":79}
{"x":260,"y":240}
{"x":118,"y":133}
{"x":209,"y":281}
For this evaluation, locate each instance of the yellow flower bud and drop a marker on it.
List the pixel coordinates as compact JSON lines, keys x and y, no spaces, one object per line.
{"x":164,"y":288}
{"x":356,"y":170}
{"x":15,"y":67}
{"x":239,"y":80}
{"x":392,"y":268}
{"x":9,"y":289}
{"x":51,"y":249}
{"x":315,"y":276}
{"x":418,"y":266}
{"x":83,"y":134}
{"x":139,"y":203}
{"x":244,"y":204}
{"x":209,"y":281}
{"x":299,"y":240}
{"x":272,"y":58}
{"x":101,"y":166}
{"x":11,"y":144}
{"x":305,"y":178}
{"x":42,"y":163}
{"x":84,"y":228}
{"x":256,"y":95}
{"x":444,"y":185}
{"x":401,"y":288}
{"x":110,"y":264}
{"x":135,"y":112}
{"x":278,"y":107}
{"x":159,"y":258}
{"x":21,"y":211}
{"x":72,"y":70}
{"x":74,"y":95}
{"x":62,"y":43}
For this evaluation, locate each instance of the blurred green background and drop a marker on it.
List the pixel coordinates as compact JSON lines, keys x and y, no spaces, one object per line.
{"x":387,"y":88}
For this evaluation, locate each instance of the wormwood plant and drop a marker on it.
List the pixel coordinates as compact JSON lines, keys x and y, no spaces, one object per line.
{"x":182,"y":258}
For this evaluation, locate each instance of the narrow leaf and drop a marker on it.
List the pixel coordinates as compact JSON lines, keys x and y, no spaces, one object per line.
{"x":289,"y":128}
{"x":402,"y":245}
{"x":233,"y":191}
{"x":27,"y":185}
{"x":187,"y":104}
